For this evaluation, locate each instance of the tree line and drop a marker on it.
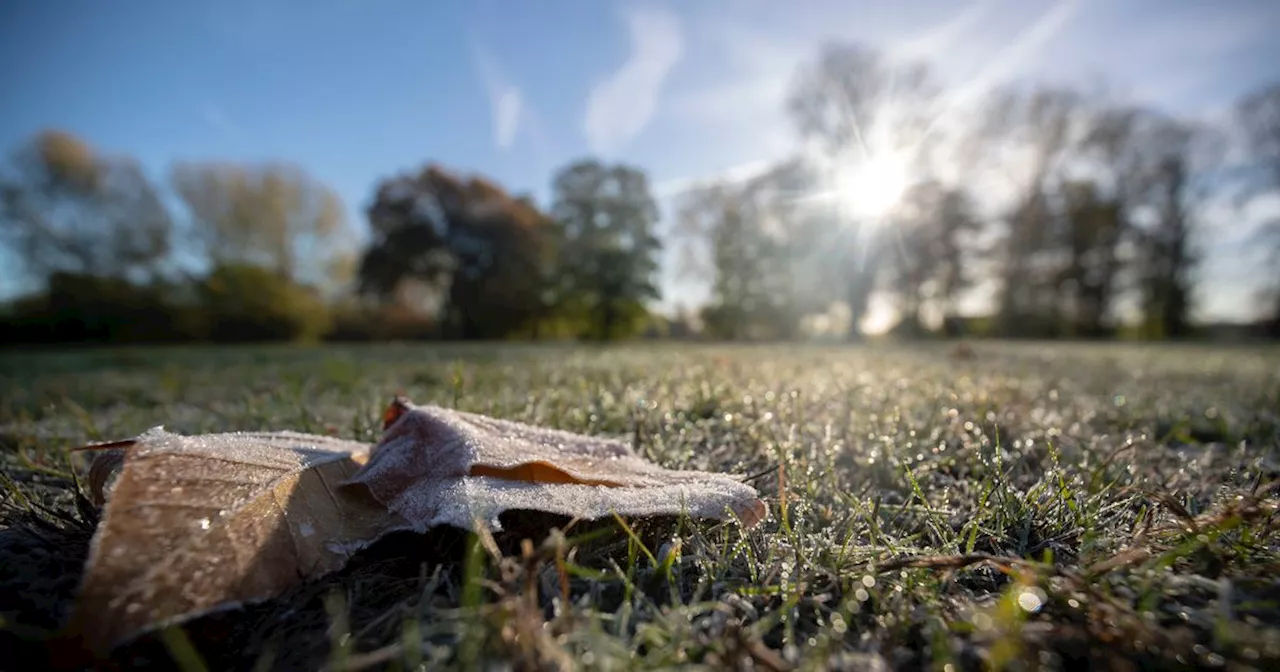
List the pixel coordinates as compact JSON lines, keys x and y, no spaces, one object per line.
{"x":265,"y":252}
{"x":1078,"y":216}
{"x":1075,"y":215}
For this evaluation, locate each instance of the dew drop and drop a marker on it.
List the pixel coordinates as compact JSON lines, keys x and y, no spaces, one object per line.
{"x":1031,"y":599}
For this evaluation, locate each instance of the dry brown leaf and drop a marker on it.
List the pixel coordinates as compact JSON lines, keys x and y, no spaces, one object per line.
{"x":197,"y":523}
{"x":435,"y":466}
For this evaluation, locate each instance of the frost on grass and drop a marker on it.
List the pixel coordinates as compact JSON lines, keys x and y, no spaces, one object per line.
{"x":1051,"y":506}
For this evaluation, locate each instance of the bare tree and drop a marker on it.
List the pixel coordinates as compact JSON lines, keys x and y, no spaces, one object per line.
{"x":1180,"y":178}
{"x":66,"y":208}
{"x":1258,"y":114}
{"x":761,"y":247}
{"x":273,"y":216}
{"x":929,"y":257}
{"x":856,"y":105}
{"x":1042,"y":125}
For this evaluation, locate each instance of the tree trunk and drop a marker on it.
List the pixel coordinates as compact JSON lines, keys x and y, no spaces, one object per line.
{"x":608,"y":318}
{"x":857,"y":298}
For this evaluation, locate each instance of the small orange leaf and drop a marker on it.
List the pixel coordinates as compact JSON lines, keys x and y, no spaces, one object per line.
{"x":536,"y":472}
{"x":397,"y":408}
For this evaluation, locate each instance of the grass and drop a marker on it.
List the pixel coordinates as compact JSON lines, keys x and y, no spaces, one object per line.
{"x":1031,"y":506}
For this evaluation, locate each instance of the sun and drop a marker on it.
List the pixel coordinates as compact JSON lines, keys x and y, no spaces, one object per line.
{"x":873,"y":187}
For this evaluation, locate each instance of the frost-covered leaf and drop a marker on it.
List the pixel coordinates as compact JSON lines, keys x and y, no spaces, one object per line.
{"x":197,"y":523}
{"x":436,"y":466}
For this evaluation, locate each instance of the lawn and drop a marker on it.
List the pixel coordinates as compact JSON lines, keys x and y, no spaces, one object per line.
{"x":1027,"y":506}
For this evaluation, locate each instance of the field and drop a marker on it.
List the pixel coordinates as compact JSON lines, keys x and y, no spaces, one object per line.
{"x":1020,"y":506}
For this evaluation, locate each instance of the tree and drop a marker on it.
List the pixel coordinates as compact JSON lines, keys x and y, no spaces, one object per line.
{"x":90,"y":231}
{"x":859,"y":109}
{"x":743,"y":257}
{"x":1117,"y":149}
{"x":1043,"y":125}
{"x":760,"y":246}
{"x":855,"y":103}
{"x":1258,"y":115}
{"x":272,"y":216}
{"x":928,"y":257}
{"x":607,"y":220}
{"x":243,"y":302}
{"x":65,"y":208}
{"x":488,"y":254}
{"x":1086,"y":232}
{"x":1181,"y":168}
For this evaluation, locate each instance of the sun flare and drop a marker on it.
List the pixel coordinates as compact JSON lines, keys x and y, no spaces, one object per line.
{"x":873,"y":187}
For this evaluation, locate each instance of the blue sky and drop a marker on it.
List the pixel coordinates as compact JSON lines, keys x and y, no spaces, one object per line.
{"x":358,"y":90}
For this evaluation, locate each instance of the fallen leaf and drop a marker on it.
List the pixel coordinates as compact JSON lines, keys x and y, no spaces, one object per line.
{"x":198,"y":523}
{"x":436,"y":466}
{"x":194,"y":524}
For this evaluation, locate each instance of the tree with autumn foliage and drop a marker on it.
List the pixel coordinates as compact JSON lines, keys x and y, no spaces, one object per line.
{"x":484,"y":254}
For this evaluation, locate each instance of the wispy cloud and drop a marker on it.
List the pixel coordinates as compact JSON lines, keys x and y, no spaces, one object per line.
{"x":739,"y":106}
{"x":759,"y":68}
{"x":217,"y":119}
{"x":506,"y":114}
{"x":506,"y":103}
{"x":621,"y":106}
{"x":544,"y":152}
